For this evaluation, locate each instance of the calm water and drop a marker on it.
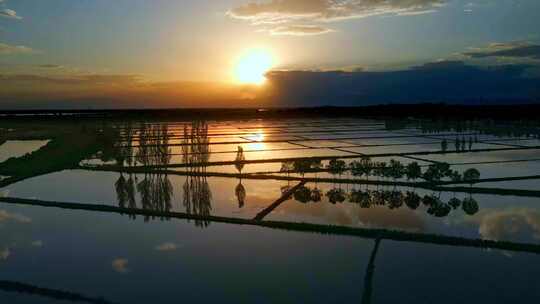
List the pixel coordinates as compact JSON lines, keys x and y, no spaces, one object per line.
{"x":150,"y":212}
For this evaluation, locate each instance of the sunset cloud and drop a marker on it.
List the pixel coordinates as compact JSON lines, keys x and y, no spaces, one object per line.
{"x":9,"y":13}
{"x":6,"y":49}
{"x":511,"y":224}
{"x":64,"y":90}
{"x":91,"y":79}
{"x":280,"y":11}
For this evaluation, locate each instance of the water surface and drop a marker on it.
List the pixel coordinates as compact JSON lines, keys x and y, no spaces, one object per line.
{"x":225,"y":211}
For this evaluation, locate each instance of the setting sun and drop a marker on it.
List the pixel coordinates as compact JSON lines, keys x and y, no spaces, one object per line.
{"x":253,"y":65}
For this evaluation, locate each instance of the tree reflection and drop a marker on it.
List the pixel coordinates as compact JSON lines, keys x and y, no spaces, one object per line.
{"x":303,"y":194}
{"x":197,"y":198}
{"x":316,"y":195}
{"x":121,"y":191}
{"x":240,"y":192}
{"x":155,"y":189}
{"x":412,"y":200}
{"x":470,"y":206}
{"x":391,"y":199}
{"x":336,"y":196}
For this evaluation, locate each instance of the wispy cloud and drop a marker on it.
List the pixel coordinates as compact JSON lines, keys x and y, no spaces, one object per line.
{"x":518,"y":49}
{"x":167,"y":247}
{"x":292,"y":11}
{"x":50,"y":66}
{"x":7,"y":49}
{"x":4,"y":254}
{"x":9,"y":13}
{"x":37,"y":243}
{"x":299,"y":30}
{"x":81,"y":80}
{"x":7,"y":216}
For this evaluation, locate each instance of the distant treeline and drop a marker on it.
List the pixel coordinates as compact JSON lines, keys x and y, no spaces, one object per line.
{"x":425,"y":110}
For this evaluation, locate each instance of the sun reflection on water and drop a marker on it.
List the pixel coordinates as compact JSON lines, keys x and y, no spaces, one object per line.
{"x":259,"y":144}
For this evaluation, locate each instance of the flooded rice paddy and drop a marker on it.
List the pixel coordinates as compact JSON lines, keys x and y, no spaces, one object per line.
{"x":265,"y":211}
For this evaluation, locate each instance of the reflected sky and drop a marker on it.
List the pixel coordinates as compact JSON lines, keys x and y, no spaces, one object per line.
{"x":16,"y":148}
{"x":91,"y":259}
{"x":128,"y":258}
{"x":101,"y":188}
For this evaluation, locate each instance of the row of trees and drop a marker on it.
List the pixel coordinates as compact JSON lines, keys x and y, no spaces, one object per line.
{"x":527,"y":129}
{"x":392,"y":170}
{"x":391,"y":198}
{"x":460,"y":144}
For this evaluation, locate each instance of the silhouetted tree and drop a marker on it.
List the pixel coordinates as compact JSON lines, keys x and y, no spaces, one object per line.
{"x":396,"y":169}
{"x":413,"y":171}
{"x":380,"y":169}
{"x":337,"y":167}
{"x":444,"y":145}
{"x":432,"y":174}
{"x":455,"y":177}
{"x":367,"y":166}
{"x":240,"y":159}
{"x":287,"y":167}
{"x":444,"y":169}
{"x":457,"y":144}
{"x":471,"y":176}
{"x":302,"y":166}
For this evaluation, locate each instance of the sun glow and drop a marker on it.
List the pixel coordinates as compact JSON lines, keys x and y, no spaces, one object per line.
{"x":257,"y":139}
{"x":253,"y":65}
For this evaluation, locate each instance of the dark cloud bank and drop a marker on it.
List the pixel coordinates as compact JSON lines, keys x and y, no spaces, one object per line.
{"x":448,"y":81}
{"x":508,"y":51}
